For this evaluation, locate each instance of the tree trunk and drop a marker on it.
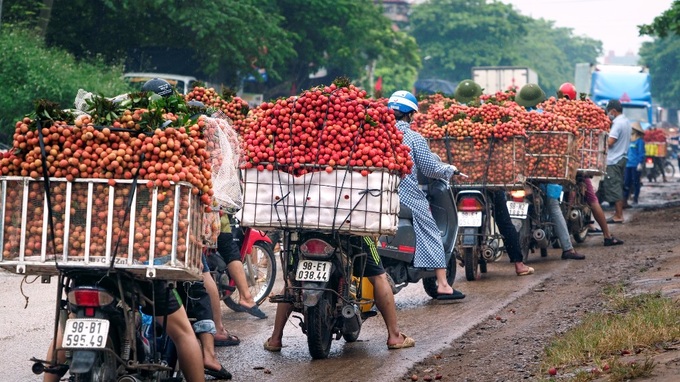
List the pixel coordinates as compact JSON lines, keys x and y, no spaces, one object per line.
{"x":44,"y":17}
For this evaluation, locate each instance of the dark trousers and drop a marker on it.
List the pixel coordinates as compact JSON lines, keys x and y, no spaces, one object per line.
{"x":631,"y":183}
{"x":505,"y":226}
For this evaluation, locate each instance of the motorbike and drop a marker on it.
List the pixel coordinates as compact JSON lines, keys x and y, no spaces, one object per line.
{"x":480,"y":242}
{"x":532,"y":221}
{"x":397,"y":252}
{"x":655,"y":167}
{"x":321,"y":285}
{"x":259,"y":263}
{"x":102,"y":330}
{"x":576,"y":210}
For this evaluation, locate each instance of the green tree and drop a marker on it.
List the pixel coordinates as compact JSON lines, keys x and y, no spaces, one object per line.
{"x":662,"y":57}
{"x":456,"y":35}
{"x":553,"y":53}
{"x":33,"y":71}
{"x":666,"y":23}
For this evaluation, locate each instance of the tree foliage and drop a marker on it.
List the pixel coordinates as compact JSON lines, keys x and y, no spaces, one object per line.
{"x":32,"y":71}
{"x":666,"y":23}
{"x":662,"y":57}
{"x":455,"y":35}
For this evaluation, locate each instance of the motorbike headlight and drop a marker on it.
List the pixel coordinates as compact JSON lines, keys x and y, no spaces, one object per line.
{"x":316,"y":248}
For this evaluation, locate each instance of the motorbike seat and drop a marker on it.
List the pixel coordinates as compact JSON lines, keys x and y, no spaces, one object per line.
{"x":405,"y":212}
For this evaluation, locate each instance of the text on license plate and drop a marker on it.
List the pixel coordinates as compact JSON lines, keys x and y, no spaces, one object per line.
{"x":85,"y":333}
{"x":313,"y":270}
{"x":469,"y":219}
{"x":518,"y":210}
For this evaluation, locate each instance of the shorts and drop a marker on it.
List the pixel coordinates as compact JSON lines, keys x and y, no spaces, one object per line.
{"x":197,"y":302}
{"x":590,"y":191}
{"x":228,"y":248}
{"x":374,"y":265}
{"x":613,"y":182}
{"x":167,"y":301}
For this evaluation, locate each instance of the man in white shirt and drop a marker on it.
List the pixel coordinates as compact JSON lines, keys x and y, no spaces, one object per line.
{"x":618,"y":142}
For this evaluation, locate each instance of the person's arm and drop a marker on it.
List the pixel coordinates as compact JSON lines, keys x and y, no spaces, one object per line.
{"x":427,"y":163}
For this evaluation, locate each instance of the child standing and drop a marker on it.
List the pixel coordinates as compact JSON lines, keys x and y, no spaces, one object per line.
{"x":636,"y":156}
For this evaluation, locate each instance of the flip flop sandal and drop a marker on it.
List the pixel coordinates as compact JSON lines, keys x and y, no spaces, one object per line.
{"x":529,"y":271}
{"x":218,"y":374}
{"x":231,"y":340}
{"x":254,"y":311}
{"x":608,"y":242}
{"x":408,"y":343}
{"x":271,"y":348}
{"x":612,"y":221}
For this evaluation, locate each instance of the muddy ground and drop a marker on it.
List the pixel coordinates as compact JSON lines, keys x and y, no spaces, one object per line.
{"x":508,"y":346}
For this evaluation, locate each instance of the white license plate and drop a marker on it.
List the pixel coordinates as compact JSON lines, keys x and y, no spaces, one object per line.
{"x":649,"y":164}
{"x":88,"y":333}
{"x":469,"y":219}
{"x":312,"y":270}
{"x":518,"y":210}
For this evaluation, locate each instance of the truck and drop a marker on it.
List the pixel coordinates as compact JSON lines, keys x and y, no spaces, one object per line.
{"x":630,"y":84}
{"x":494,"y":79}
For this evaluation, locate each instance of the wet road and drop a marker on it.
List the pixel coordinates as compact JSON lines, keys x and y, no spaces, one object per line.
{"x":25,"y":333}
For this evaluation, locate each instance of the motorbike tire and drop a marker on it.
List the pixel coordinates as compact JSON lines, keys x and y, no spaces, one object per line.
{"x":525,"y":239}
{"x":668,"y":169}
{"x":471,"y":264}
{"x":430,"y":283}
{"x":320,"y":323}
{"x":105,"y":367}
{"x":260,"y":286}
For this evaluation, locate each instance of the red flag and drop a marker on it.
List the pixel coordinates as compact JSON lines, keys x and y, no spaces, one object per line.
{"x":378,"y":84}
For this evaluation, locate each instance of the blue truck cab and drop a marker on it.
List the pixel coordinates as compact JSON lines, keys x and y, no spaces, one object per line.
{"x":629,"y":84}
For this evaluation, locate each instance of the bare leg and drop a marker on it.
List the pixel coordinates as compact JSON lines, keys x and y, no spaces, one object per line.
{"x":443,"y":286}
{"x":601,"y":220}
{"x":211,"y":288}
{"x":618,"y":206}
{"x":210,"y":361}
{"x":61,"y":358}
{"x":188,"y":350}
{"x":283,"y":311}
{"x":384,"y":300}
{"x":237,"y":273}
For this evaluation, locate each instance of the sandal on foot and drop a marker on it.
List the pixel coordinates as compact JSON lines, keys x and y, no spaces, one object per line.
{"x":218,"y":374}
{"x":594,"y":231}
{"x":271,"y":348}
{"x":529,"y":271}
{"x":612,"y":221}
{"x":254,"y":311}
{"x":231,"y":340}
{"x":408,"y":343}
{"x":608,"y":242}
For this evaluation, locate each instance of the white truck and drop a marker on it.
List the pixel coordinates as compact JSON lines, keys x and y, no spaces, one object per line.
{"x":501,"y":78}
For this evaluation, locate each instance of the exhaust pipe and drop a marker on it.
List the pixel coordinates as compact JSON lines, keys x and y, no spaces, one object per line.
{"x":575,"y":215}
{"x":488,"y":253}
{"x":540,"y":238}
{"x":352,"y":317}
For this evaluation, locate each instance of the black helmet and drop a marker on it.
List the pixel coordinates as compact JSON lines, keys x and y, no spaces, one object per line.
{"x":158,"y":86}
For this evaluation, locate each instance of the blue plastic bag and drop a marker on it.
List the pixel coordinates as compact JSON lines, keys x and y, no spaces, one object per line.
{"x":554,"y":191}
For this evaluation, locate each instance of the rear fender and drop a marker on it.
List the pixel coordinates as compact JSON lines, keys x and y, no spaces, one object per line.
{"x":311,"y":293}
{"x":82,"y":361}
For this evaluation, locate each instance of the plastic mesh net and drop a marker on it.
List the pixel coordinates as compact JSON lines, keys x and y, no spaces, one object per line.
{"x":225,"y":154}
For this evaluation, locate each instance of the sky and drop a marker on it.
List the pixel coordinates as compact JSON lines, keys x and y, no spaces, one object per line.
{"x":614,"y":22}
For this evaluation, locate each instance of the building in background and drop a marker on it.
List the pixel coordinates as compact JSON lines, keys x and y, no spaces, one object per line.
{"x":629,"y":58}
{"x":397,"y":11}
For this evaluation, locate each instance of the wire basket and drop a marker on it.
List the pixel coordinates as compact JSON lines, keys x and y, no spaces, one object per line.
{"x":552,"y":156}
{"x":592,"y":153}
{"x":159,"y":236}
{"x":494,"y":163}
{"x":343,"y":200}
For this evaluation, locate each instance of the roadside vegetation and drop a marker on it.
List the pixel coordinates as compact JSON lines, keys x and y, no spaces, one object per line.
{"x":618,"y":343}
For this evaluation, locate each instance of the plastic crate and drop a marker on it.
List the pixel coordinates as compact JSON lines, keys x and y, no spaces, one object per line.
{"x":494,"y":163}
{"x":656,"y":149}
{"x":552,"y":156}
{"x":592,"y":152}
{"x":343,"y":200}
{"x":157,"y":237}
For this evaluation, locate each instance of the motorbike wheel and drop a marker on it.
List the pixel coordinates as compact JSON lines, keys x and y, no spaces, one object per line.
{"x":260,"y":270}
{"x":525,"y":240}
{"x":668,"y":169}
{"x":320,"y":323}
{"x":104,"y":368}
{"x":430,"y":283}
{"x":471,"y":264}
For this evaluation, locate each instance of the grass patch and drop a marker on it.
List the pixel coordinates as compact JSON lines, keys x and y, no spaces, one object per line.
{"x":627,"y":327}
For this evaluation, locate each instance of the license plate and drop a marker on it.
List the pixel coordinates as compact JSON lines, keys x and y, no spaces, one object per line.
{"x":90,"y":333}
{"x":313,"y":270}
{"x":469,"y":219}
{"x":649,"y":164}
{"x":518,"y":210}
